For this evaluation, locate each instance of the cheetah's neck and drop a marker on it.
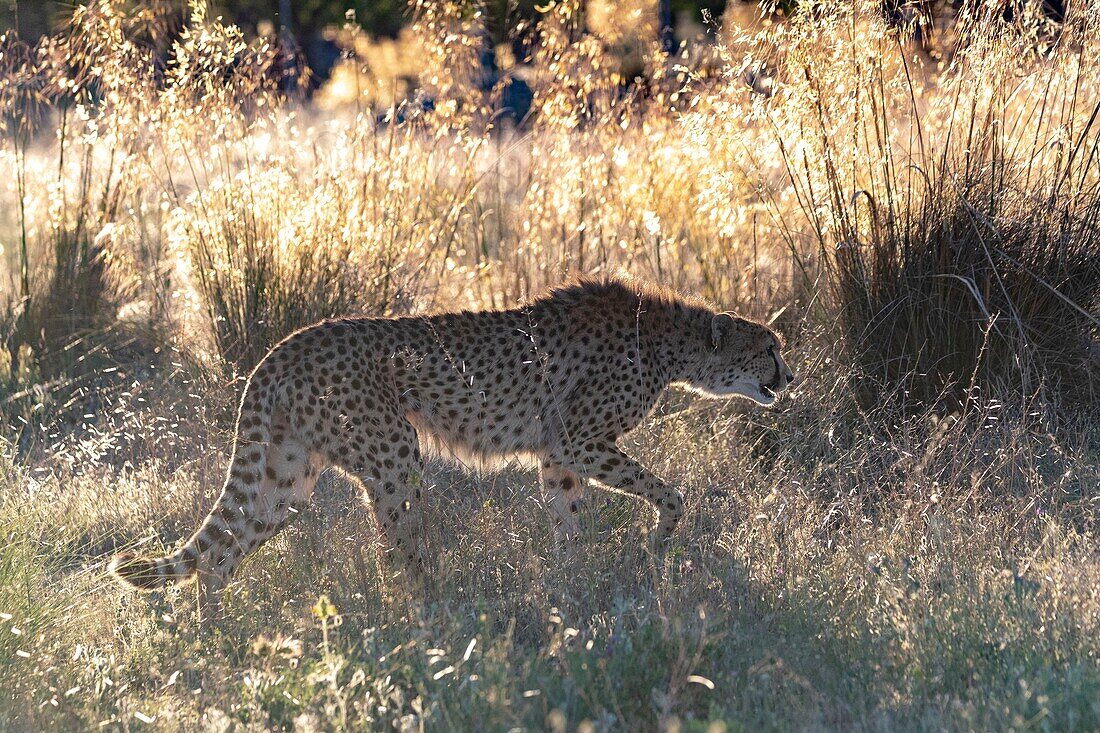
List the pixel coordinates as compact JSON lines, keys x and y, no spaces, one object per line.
{"x":680,"y":333}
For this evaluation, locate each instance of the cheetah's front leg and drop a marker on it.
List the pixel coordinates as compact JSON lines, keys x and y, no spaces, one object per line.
{"x":604,"y":462}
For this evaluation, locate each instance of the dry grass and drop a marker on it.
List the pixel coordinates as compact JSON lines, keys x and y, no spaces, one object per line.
{"x":909,"y":542}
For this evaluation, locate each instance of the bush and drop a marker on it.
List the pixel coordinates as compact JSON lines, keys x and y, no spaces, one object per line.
{"x":64,"y":290}
{"x":956,"y":215}
{"x":975,"y":285}
{"x":266,"y":261}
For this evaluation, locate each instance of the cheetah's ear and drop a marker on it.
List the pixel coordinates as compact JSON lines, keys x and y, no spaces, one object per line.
{"x":721,"y":326}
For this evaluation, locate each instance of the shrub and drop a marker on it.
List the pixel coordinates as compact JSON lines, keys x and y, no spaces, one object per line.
{"x":70,"y":193}
{"x":976,"y":285}
{"x":268,"y":255}
{"x":956,"y":215}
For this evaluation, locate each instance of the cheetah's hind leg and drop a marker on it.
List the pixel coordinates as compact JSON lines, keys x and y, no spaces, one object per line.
{"x":388,"y":464}
{"x":290,"y":475}
{"x":563,"y":492}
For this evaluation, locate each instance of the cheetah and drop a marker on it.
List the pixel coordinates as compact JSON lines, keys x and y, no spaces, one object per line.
{"x":557,"y":381}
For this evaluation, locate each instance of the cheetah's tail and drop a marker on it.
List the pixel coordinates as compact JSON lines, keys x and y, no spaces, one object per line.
{"x":152,"y":573}
{"x":214,"y":541}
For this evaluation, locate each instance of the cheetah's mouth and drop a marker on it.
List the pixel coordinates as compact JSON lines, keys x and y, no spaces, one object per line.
{"x":759,"y":393}
{"x":765,"y":395}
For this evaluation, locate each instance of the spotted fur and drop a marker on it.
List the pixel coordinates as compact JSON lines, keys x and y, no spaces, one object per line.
{"x":558,"y":380}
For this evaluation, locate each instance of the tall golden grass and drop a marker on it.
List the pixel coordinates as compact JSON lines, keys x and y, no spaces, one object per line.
{"x":939,"y":213}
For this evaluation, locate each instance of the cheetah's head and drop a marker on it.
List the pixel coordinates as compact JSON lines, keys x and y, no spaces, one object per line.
{"x":744,"y":360}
